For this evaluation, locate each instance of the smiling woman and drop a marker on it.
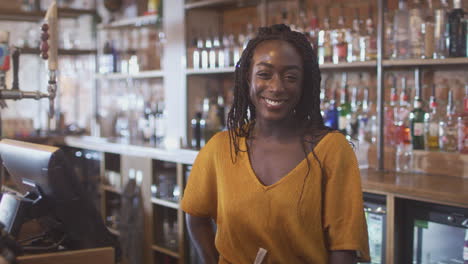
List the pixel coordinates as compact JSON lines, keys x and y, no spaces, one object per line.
{"x":281,"y":186}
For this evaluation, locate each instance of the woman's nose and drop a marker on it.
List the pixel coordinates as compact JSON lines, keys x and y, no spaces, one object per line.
{"x":276,"y":84}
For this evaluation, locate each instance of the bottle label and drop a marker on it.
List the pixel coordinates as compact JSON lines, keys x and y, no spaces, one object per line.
{"x":418,"y":129}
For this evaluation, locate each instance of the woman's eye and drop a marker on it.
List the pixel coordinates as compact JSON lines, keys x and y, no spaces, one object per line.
{"x":291,"y":77}
{"x":263,"y":75}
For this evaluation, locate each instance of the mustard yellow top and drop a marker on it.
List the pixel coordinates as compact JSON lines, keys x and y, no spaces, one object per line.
{"x":298,"y":219}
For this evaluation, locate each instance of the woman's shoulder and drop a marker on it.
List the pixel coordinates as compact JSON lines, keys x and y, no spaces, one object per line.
{"x":333,"y":142}
{"x":217,"y":142}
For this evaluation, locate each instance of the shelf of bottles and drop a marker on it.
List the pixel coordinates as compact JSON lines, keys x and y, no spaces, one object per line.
{"x":194,"y":4}
{"x":35,"y":16}
{"x":141,"y":21}
{"x":165,"y":190}
{"x":137,"y":75}
{"x":166,"y":228}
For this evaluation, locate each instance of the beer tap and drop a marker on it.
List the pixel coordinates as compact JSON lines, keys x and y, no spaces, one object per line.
{"x":48,"y":51}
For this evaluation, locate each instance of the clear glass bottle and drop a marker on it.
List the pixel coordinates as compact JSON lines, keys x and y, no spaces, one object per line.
{"x":401,"y":49}
{"x":340,"y":41}
{"x":428,"y":31}
{"x":463,"y":125}
{"x":448,"y":131}
{"x":371,"y":38}
{"x":363,"y":117}
{"x":431,"y":124}
{"x":416,"y":20}
{"x":345,"y":107}
{"x":354,"y":48}
{"x":313,"y":29}
{"x":390,"y":110}
{"x":441,"y":30}
{"x":325,"y":51}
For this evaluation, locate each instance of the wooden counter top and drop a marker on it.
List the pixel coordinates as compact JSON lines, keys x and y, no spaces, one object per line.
{"x":446,"y":190}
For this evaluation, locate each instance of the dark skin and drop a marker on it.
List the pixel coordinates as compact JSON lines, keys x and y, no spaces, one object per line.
{"x":275,"y":89}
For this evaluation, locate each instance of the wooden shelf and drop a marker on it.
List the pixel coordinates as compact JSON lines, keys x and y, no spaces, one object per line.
{"x":425,"y":62}
{"x":139,"y":75}
{"x":111,"y":189}
{"x":141,"y":21}
{"x":346,"y":65}
{"x":209,"y":4}
{"x":210,"y":71}
{"x":18,"y":15}
{"x":71,"y":52}
{"x":165,"y":203}
{"x":165,"y":251}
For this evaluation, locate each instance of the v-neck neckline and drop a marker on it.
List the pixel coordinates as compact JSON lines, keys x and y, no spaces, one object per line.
{"x":286,"y":177}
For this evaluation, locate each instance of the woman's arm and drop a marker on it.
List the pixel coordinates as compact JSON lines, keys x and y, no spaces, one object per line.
{"x":201,"y":231}
{"x":342,"y":257}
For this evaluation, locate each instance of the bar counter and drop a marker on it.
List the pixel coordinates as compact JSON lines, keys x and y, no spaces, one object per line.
{"x":446,"y":190}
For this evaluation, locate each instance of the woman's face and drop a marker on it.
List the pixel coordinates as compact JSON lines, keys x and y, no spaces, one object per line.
{"x":275,"y":80}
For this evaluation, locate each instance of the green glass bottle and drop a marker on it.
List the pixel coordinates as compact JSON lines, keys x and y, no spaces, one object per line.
{"x":417,"y":123}
{"x":345,"y":107}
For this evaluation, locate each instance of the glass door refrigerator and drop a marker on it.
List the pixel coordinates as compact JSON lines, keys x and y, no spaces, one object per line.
{"x":433,"y":234}
{"x":376,"y":214}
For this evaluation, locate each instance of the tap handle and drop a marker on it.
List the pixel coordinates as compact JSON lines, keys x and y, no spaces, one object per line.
{"x":15,"y":57}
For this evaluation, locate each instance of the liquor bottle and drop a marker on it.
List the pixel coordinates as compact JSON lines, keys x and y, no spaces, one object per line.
{"x":353,"y":45}
{"x":457,"y":30}
{"x":390,"y":110}
{"x":106,"y":60}
{"x":313,"y":29}
{"x":431,"y":124}
{"x":463,"y":126}
{"x":332,"y":114}
{"x":324,"y":103}
{"x":345,"y":107}
{"x":369,"y":39}
{"x":404,"y":150}
{"x":417,"y":123}
{"x":205,"y":53}
{"x":403,"y":135}
{"x":441,"y":30}
{"x":211,"y":115}
{"x":353,"y":124}
{"x":340,"y":41}
{"x":217,"y":53}
{"x":197,"y":53}
{"x":160,"y":123}
{"x":448,"y":136}
{"x":401,"y":32}
{"x":324,"y":44}
{"x":227,"y":52}
{"x":210,"y":45}
{"x":416,"y":20}
{"x":363,"y":118}
{"x":428,"y":31}
{"x":198,"y":130}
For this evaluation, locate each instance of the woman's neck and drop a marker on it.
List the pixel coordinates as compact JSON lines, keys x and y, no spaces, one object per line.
{"x":280,"y":130}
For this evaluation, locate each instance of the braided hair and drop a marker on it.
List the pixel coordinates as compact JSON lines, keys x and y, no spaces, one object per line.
{"x":241,"y":117}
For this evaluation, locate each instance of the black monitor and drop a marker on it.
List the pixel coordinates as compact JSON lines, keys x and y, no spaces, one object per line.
{"x":49,"y":188}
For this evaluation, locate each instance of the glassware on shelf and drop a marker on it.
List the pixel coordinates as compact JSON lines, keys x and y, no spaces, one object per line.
{"x":354,"y":47}
{"x":457,"y":27}
{"x":340,"y":39}
{"x":431,"y":124}
{"x":428,"y":32}
{"x":440,"y":30}
{"x":448,"y":132}
{"x":416,"y":20}
{"x":417,"y":124}
{"x":463,"y":125}
{"x":401,"y":24}
{"x":325,"y":49}
{"x":390,"y":112}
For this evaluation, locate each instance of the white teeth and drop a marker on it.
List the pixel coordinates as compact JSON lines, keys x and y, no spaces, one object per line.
{"x":273,"y":102}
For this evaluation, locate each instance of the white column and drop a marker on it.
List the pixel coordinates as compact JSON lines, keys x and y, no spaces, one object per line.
{"x":174,"y":71}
